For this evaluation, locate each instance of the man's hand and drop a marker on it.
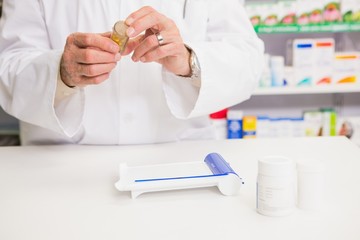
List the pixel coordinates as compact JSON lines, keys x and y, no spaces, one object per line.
{"x":172,"y":53}
{"x":88,"y":59}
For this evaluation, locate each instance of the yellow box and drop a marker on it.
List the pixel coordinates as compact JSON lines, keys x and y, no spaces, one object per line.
{"x":249,"y":126}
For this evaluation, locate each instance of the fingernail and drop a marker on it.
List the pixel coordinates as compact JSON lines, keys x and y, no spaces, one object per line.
{"x":117,"y":57}
{"x":129,"y":21}
{"x":130,"y":31}
{"x":134,"y":59}
{"x":114,"y":48}
{"x":142,"y":59}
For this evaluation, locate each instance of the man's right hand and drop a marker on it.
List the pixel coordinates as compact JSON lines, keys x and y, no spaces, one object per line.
{"x":88,"y":59}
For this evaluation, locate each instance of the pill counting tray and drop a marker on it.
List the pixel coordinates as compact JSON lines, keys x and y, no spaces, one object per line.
{"x":213,"y":171}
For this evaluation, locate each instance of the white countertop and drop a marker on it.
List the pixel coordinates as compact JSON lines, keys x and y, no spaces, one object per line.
{"x":68,"y":193}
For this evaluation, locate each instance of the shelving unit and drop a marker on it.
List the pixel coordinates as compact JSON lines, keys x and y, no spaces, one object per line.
{"x":348,"y":88}
{"x":313,"y":28}
{"x":292,"y":101}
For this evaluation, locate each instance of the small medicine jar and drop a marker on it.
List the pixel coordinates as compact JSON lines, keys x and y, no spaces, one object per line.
{"x":119,"y":36}
{"x":310,"y":184}
{"x":275,"y":194}
{"x":234,"y":124}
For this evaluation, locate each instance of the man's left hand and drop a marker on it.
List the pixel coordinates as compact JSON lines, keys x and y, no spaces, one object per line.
{"x":146,"y":28}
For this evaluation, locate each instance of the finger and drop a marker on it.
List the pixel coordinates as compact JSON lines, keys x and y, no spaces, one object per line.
{"x":90,"y":40}
{"x":106,"y":34}
{"x":161,"y":52}
{"x":152,"y":19}
{"x":146,"y":45}
{"x":93,"y":70}
{"x":94,"y":80}
{"x":152,"y":42}
{"x":138,"y":14}
{"x":92,"y":56}
{"x":132,"y":44}
{"x":84,"y":81}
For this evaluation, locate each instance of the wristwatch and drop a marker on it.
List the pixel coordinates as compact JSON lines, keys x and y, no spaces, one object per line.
{"x":195,"y":67}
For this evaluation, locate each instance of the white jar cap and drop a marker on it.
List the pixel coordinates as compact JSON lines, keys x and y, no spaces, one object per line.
{"x":310,"y":165}
{"x":235,"y":114}
{"x":276,"y":166}
{"x":277,"y":60}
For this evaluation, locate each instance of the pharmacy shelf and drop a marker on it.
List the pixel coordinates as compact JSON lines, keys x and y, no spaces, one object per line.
{"x":314,"y":28}
{"x":346,"y":88}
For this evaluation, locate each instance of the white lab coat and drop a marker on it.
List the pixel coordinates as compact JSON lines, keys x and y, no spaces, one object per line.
{"x":140,"y":102}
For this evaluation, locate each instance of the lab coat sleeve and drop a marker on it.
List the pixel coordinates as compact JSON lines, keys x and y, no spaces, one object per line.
{"x":231,"y":60}
{"x":29,"y":70}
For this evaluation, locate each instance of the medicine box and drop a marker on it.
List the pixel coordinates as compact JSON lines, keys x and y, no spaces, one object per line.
{"x":313,"y":121}
{"x":350,"y":11}
{"x":332,"y":11}
{"x":287,"y":12}
{"x":346,"y":67}
{"x":303,"y":61}
{"x":249,"y":126}
{"x":324,"y":51}
{"x":329,"y":122}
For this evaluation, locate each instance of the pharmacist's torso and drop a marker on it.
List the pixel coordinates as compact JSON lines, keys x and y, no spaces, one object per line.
{"x":130,"y":107}
{"x":65,"y":17}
